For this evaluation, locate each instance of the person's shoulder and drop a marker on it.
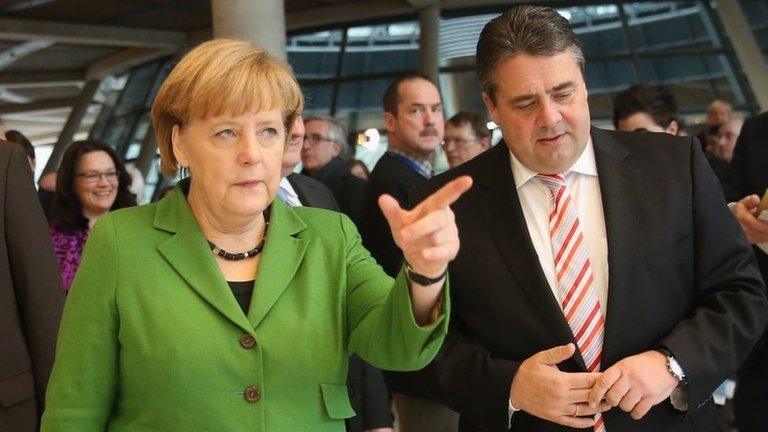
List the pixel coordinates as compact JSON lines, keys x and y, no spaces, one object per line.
{"x":645,"y":143}
{"x":137,"y":216}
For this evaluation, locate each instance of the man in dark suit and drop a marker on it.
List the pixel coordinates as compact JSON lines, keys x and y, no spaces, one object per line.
{"x":367,"y":391}
{"x":601,"y":281}
{"x":31,"y":297}
{"x":323,"y":154}
{"x":749,"y":175}
{"x":413,"y":115}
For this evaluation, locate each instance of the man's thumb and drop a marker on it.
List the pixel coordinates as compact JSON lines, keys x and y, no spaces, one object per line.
{"x":553,"y":356}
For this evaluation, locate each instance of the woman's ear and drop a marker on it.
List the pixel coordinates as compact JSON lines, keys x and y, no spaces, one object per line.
{"x":179,"y":152}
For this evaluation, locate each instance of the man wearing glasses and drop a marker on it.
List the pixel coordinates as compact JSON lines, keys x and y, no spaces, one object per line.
{"x":323,"y":155}
{"x":466,"y":136}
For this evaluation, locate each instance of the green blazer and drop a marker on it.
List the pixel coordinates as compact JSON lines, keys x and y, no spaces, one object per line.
{"x":152,"y":338}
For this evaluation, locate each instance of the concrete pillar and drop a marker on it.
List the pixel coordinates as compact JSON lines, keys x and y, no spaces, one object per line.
{"x":747,"y":50}
{"x":429,"y":41}
{"x":79,"y":109}
{"x":261,"y":22}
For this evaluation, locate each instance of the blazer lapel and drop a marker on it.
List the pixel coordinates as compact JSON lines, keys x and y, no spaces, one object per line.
{"x":283,"y":252}
{"x":188,"y":253}
{"x":499,"y":205}
{"x":618,"y":177}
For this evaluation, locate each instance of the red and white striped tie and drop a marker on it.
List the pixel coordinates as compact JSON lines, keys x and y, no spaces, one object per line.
{"x":578,"y":288}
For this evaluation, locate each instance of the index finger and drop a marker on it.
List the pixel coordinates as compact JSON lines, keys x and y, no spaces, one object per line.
{"x":446,"y":195}
{"x":581,"y":380}
{"x":603,"y":384}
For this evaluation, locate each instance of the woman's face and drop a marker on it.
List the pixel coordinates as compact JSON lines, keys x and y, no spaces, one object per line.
{"x":96,"y":181}
{"x":234,"y":161}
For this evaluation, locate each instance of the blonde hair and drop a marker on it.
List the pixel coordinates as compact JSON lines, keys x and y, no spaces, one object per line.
{"x":222,"y":76}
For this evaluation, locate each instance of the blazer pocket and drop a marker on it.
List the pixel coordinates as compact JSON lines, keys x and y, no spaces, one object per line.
{"x":336,"y":400}
{"x":17,"y":388}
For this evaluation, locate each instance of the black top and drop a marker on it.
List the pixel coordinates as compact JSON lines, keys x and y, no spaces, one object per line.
{"x":242,"y":291}
{"x":347,"y":189}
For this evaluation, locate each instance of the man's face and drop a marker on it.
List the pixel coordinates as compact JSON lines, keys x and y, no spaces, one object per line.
{"x":418,"y":124}
{"x":727,"y":135}
{"x":461,"y":143}
{"x":641,"y":120}
{"x":718,"y":113}
{"x":292,"y":151}
{"x":541,"y":107}
{"x":319,"y":147}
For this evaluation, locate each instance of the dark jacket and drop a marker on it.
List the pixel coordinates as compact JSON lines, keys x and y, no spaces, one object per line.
{"x":346,"y":188}
{"x":390,"y":176}
{"x":750,"y":176}
{"x":681,"y":276}
{"x":31,"y":297}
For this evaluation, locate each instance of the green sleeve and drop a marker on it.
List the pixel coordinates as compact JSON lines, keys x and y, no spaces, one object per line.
{"x":380,"y":323}
{"x":83,"y":383}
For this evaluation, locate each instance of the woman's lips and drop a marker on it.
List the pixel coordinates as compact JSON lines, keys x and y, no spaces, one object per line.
{"x":249,"y":184}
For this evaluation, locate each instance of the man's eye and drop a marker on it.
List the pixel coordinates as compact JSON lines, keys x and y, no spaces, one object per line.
{"x":562,"y":96}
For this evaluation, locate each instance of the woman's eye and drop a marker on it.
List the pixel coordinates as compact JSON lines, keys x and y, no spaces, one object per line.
{"x":226,"y":133}
{"x":270,"y":132}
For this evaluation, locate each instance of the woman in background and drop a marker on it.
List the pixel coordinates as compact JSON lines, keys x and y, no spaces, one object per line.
{"x":91,"y":182}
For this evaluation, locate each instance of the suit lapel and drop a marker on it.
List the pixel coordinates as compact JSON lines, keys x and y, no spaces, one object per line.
{"x":283,"y":252}
{"x":188,"y":253}
{"x":618,"y":178}
{"x":499,"y":205}
{"x":303,"y":198}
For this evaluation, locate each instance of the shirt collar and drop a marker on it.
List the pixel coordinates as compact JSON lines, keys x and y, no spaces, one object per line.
{"x":289,"y":190}
{"x":585,"y":164}
{"x":424,"y":167}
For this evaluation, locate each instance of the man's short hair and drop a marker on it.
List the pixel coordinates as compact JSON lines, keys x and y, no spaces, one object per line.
{"x":479,"y":127}
{"x":392,"y":93}
{"x":17,"y":137}
{"x":533,"y":30}
{"x":336,"y":132}
{"x":657,"y":101}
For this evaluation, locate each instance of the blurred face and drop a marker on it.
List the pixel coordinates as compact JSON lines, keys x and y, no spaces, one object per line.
{"x":462,"y":144}
{"x":641,"y":120}
{"x":319,"y":148}
{"x":418,"y":126}
{"x":725,"y":140}
{"x":541,"y":107}
{"x":292,"y":152}
{"x":96,"y":181}
{"x":718,"y":113}
{"x":234,"y":161}
{"x":358,"y":171}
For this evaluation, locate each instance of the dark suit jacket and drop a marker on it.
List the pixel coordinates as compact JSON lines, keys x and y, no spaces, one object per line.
{"x":681,"y":276}
{"x":31,"y":297}
{"x":390,"y":176}
{"x":346,"y":188}
{"x":750,"y":176}
{"x":367,"y":391}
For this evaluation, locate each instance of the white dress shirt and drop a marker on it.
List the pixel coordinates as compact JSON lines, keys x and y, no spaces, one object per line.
{"x":287,"y":193}
{"x":582,"y":184}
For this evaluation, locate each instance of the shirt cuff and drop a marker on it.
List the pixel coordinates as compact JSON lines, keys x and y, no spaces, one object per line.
{"x":512,"y":411}
{"x":679,"y":398}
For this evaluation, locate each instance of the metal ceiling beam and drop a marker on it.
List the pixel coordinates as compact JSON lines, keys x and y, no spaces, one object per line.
{"x":337,"y":14}
{"x":88,"y":34}
{"x":38,"y":79}
{"x":124,"y":60}
{"x":38,"y":106}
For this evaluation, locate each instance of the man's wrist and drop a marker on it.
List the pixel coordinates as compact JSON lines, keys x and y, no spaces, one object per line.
{"x":673,"y":366}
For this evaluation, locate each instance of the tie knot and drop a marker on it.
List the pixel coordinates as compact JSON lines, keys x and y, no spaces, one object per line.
{"x":553,"y":182}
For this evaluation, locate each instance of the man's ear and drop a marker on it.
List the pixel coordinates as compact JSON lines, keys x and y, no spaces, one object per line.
{"x":179,"y":152}
{"x":485,"y":143}
{"x":337,"y":148}
{"x":389,"y":122}
{"x":673,"y":128}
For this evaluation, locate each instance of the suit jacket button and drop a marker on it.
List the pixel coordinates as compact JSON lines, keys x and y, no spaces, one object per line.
{"x":247,"y":341}
{"x":252,"y":394}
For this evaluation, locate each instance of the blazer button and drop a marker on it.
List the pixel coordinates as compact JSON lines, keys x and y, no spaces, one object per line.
{"x":247,"y":341}
{"x":252,"y":394}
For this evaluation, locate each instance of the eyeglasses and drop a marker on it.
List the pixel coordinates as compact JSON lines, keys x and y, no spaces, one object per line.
{"x":459,"y":142}
{"x":95,"y":176}
{"x":316,"y":139}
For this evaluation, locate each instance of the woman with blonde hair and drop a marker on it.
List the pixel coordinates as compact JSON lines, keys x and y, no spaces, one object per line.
{"x":220,"y":308}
